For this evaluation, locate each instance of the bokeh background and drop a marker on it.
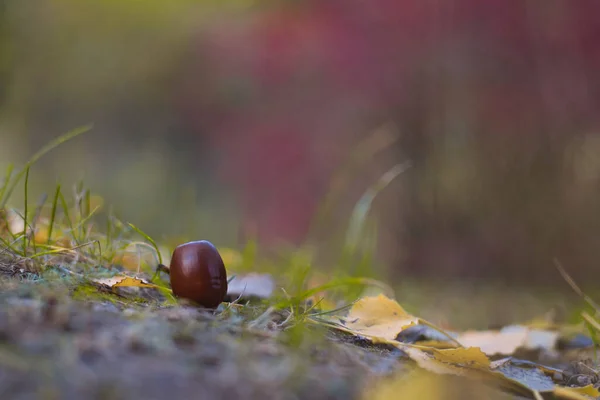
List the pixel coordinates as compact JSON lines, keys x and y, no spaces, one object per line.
{"x":230,"y":120}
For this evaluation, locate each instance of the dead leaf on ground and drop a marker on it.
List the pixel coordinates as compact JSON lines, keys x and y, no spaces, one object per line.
{"x":377,"y":318}
{"x":576,"y":393}
{"x":429,"y":361}
{"x":427,"y":386}
{"x":471,"y":357}
{"x":521,"y":379}
{"x":381,"y":319}
{"x":124,"y":281}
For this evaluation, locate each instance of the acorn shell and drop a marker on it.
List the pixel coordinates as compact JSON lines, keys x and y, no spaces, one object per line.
{"x":197,"y":273}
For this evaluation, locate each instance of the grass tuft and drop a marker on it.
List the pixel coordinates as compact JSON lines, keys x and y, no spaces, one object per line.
{"x":10,"y":184}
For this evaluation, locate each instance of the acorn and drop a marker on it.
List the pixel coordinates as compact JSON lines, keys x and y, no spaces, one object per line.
{"x":197,"y":273}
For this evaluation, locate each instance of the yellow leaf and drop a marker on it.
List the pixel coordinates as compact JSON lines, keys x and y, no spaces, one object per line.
{"x":470,"y":357}
{"x":436,"y":344}
{"x":125,"y":281}
{"x":378,"y":317}
{"x":456,"y":363}
{"x":576,"y":393}
{"x":418,"y":384}
{"x":428,"y":362}
{"x":423,"y":385}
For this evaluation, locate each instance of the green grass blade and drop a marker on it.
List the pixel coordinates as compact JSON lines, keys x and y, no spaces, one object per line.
{"x":35,"y":219}
{"x":79,"y":196}
{"x":363,"y":206}
{"x":378,"y":140}
{"x":334,"y":311}
{"x":53,"y":212}
{"x":148,"y":238}
{"x":65,"y":207}
{"x":25,"y":212}
{"x":109,"y":230}
{"x":351,"y":281}
{"x":10,"y":186}
{"x":61,"y":250}
{"x":23,"y":235}
{"x":6,"y":244}
{"x":88,"y":203}
{"x":84,"y":220}
{"x":6,"y":181}
{"x":11,"y":246}
{"x":575,"y":287}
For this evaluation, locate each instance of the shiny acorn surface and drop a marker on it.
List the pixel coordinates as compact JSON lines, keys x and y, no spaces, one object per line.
{"x":197,"y":273}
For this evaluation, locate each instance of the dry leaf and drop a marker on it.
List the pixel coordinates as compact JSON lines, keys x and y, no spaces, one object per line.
{"x":457,"y":364}
{"x":471,"y":357}
{"x":580,"y":393}
{"x":381,"y":319}
{"x":378,"y":317}
{"x":423,"y":385}
{"x":124,"y":281}
{"x":428,"y":362}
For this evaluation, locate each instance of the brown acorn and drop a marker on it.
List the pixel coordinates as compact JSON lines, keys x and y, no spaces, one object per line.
{"x":198,"y":273}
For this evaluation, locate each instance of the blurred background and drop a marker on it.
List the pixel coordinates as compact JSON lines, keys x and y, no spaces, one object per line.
{"x":230,"y":120}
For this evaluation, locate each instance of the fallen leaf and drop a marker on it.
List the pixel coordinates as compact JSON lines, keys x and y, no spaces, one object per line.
{"x":432,"y":361}
{"x":124,"y":281}
{"x":528,"y":375}
{"x":423,"y":385}
{"x":469,"y":357}
{"x":382,"y":320}
{"x":378,"y":317}
{"x":576,"y":393}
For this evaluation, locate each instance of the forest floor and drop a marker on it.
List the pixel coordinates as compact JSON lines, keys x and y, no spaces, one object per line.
{"x":60,"y":341}
{"x":55,"y":344}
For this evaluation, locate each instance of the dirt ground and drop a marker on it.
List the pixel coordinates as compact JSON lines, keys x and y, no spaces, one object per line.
{"x":55,"y":347}
{"x":61,"y":338}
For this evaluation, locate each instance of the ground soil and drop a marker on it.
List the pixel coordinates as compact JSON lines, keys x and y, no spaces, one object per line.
{"x":60,"y":339}
{"x":55,"y":347}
